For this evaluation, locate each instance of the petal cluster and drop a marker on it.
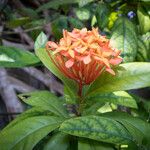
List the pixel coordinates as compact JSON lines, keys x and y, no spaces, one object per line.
{"x":83,"y":55}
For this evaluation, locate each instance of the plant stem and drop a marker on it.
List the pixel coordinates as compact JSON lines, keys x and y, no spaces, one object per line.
{"x":80,"y":90}
{"x":80,"y":107}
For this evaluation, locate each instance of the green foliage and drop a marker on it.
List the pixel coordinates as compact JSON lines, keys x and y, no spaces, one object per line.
{"x":86,"y":144}
{"x":128,"y":76}
{"x":43,"y":55}
{"x":40,"y":41}
{"x":102,"y":15}
{"x":31,"y":130}
{"x":93,"y":120}
{"x":97,"y":128}
{"x":18,"y":22}
{"x":137,"y":127}
{"x":142,"y":51}
{"x":57,"y":141}
{"x":119,"y":97}
{"x":15,"y":57}
{"x":83,"y":14}
{"x":58,"y":25}
{"x":144,"y":19}
{"x":46,"y":100}
{"x":54,"y":4}
{"x":125,"y":39}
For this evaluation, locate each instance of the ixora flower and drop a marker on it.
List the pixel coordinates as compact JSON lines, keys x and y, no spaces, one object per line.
{"x":83,"y":55}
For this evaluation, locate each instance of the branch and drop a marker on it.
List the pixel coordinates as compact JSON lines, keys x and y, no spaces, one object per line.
{"x":20,"y":86}
{"x":24,"y":36}
{"x":45,"y":79}
{"x":8,"y":94}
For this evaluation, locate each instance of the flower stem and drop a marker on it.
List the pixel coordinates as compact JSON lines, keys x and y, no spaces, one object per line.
{"x":80,"y":107}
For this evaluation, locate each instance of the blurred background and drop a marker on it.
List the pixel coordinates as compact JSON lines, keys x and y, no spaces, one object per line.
{"x":125,"y":21}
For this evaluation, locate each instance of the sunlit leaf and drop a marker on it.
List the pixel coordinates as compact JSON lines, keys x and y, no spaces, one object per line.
{"x":97,"y":128}
{"x":128,"y":76}
{"x":28,"y":132}
{"x":15,"y":57}
{"x":45,"y":99}
{"x":144,"y":19}
{"x":124,"y":38}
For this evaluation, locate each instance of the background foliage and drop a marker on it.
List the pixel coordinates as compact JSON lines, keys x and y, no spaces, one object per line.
{"x":126,"y":23}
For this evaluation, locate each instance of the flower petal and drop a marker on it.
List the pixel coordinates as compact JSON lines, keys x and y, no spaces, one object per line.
{"x":87,"y":59}
{"x":110,"y":71}
{"x":71,"y":53}
{"x":52,"y":44}
{"x":69,"y":63}
{"x":62,"y":48}
{"x":115,"y":61}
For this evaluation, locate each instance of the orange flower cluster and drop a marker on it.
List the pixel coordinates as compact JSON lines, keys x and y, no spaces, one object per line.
{"x":83,"y":55}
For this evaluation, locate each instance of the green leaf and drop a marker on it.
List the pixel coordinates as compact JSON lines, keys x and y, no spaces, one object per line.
{"x":29,"y":12}
{"x":91,"y":108}
{"x":124,"y":38}
{"x":82,"y":14}
{"x":57,"y":141}
{"x":42,"y":54}
{"x":86,"y":144}
{"x":70,"y":97}
{"x":27,"y":133}
{"x":17,"y":22}
{"x":144,"y":19}
{"x":54,"y":4}
{"x":138,"y":128}
{"x":15,"y":57}
{"x":97,"y":128}
{"x":47,"y":100}
{"x":58,"y":25}
{"x":40,"y":41}
{"x":84,"y":2}
{"x":146,"y":39}
{"x":75,"y":23}
{"x":145,"y":0}
{"x":128,"y":76}
{"x":102,"y":15}
{"x":119,"y":98}
{"x":33,"y":112}
{"x":142,"y":53}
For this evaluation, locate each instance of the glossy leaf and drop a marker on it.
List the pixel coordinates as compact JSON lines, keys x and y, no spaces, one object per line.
{"x":128,"y":76}
{"x":124,"y":38}
{"x":86,"y":144}
{"x":97,"y":128}
{"x":144,"y":19}
{"x":12,"y":57}
{"x":57,"y":141}
{"x":55,"y":4}
{"x":75,"y":23}
{"x":33,"y":112}
{"x":142,"y":53}
{"x":40,"y":41}
{"x":58,"y":25}
{"x":102,"y":15}
{"x":119,"y":98}
{"x":138,"y":128}
{"x":84,"y":2}
{"x":47,"y":100}
{"x":83,"y":14}
{"x":18,"y":22}
{"x":42,"y":54}
{"x":27,"y":133}
{"x":70,"y":97}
